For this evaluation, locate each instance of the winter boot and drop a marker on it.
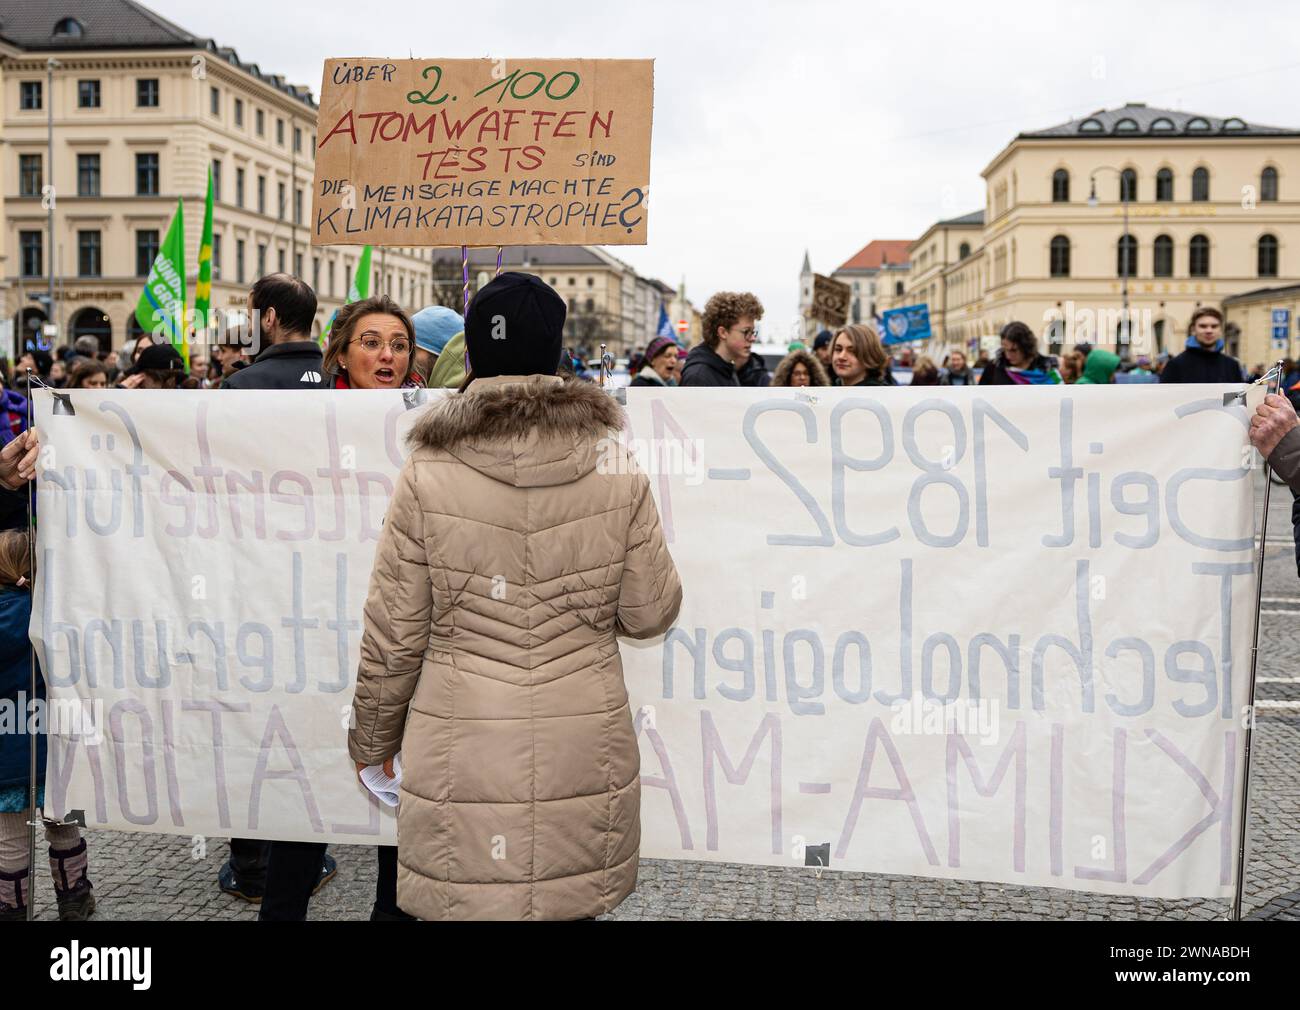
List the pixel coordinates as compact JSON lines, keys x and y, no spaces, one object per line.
{"x":71,"y":884}
{"x":13,"y":896}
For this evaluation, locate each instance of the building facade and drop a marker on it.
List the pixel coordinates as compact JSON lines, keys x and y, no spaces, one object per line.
{"x":141,"y":111}
{"x":1152,"y":210}
{"x":607,"y":300}
{"x":875,"y":275}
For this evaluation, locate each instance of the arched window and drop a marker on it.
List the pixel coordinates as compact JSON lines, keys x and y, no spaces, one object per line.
{"x":1164,"y":256}
{"x":1126,"y":125}
{"x":1198,"y":256}
{"x":1091,"y":126}
{"x":1161,"y":125}
{"x":1197,"y":124}
{"x":1060,"y":186}
{"x":1268,"y":184}
{"x":1164,"y":185}
{"x":963,"y":250}
{"x":1128,"y":186}
{"x":69,"y":28}
{"x":1268,"y":255}
{"x":1059,"y":257}
{"x":1127,"y":260}
{"x":1201,"y":185}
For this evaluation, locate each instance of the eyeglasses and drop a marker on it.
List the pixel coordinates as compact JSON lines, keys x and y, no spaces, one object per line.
{"x":400,"y":347}
{"x":748,"y":332}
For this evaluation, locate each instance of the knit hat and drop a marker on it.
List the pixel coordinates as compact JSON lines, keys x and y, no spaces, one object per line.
{"x":823,"y":339}
{"x":158,"y":358}
{"x":434,"y":326}
{"x":515,"y":326}
{"x":658,"y":346}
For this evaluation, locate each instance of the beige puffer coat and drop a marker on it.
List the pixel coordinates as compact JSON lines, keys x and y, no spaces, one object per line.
{"x":519,"y":543}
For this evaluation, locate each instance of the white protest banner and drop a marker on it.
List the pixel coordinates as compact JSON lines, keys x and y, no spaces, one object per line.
{"x":996,"y":634}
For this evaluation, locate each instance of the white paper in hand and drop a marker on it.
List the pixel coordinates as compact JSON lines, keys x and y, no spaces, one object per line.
{"x":384,"y":788}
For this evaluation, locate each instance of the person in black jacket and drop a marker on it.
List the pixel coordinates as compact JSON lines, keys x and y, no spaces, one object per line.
{"x":729,"y":333}
{"x":281,"y":310}
{"x":279,"y":875}
{"x":1204,"y":360}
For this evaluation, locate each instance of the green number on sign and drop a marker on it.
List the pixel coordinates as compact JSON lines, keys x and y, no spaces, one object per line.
{"x":510,"y":85}
{"x":418,"y":97}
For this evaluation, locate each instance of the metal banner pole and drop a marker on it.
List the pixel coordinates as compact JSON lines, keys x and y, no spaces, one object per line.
{"x":32,"y":818}
{"x":1274,"y":379}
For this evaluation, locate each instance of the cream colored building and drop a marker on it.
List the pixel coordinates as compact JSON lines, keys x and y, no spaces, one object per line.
{"x":607,"y":300}
{"x":1213,"y":209}
{"x":141,"y":109}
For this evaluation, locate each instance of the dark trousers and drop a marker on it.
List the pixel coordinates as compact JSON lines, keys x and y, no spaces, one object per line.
{"x":293,"y":872}
{"x":249,"y":858}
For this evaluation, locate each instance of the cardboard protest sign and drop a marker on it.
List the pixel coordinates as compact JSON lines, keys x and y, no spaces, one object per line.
{"x":483,"y":152}
{"x":1000,"y":633}
{"x":830,"y":303}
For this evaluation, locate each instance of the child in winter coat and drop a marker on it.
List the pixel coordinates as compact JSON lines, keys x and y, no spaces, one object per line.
{"x":67,"y":848}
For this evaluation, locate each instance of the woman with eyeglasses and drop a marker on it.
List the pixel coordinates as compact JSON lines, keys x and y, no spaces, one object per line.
{"x":372,"y":346}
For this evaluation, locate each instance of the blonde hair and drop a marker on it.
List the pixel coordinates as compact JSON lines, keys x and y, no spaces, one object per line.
{"x":866,"y":345}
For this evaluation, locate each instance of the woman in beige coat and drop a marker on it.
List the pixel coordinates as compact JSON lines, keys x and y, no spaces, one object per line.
{"x":519,"y":543}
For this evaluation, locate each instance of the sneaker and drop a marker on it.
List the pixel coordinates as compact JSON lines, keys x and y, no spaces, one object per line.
{"x":329,"y":868}
{"x":77,"y":903}
{"x":231,"y":884}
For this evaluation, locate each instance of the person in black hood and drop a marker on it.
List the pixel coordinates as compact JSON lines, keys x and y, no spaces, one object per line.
{"x":753,"y":371}
{"x":729,"y":332}
{"x":1204,"y":360}
{"x":281,"y":876}
{"x":281,"y":309}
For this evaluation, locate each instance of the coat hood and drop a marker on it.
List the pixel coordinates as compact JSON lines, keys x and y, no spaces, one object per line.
{"x":523,"y":430}
{"x":1100,"y":367}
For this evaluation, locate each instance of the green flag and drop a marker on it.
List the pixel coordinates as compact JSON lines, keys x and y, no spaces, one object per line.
{"x":162,"y":304}
{"x":359,"y":289}
{"x":203,"y":287}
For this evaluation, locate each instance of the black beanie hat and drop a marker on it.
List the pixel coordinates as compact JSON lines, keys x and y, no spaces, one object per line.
{"x":515,"y":326}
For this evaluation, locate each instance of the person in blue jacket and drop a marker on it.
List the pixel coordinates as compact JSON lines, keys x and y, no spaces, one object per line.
{"x":68,"y":860}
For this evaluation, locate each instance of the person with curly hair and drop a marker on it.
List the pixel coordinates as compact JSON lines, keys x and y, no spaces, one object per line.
{"x":800,"y":368}
{"x":729,"y":326}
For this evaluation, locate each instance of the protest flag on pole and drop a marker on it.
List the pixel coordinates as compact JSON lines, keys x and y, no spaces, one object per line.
{"x":161,"y":308}
{"x":359,"y":289}
{"x":203,"y":287}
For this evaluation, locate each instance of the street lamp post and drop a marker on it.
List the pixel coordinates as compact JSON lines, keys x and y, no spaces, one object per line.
{"x":1123,"y":264}
{"x":51,"y":194}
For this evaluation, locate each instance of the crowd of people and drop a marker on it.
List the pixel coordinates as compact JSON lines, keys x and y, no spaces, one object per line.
{"x":855,"y":355}
{"x":514,"y":396}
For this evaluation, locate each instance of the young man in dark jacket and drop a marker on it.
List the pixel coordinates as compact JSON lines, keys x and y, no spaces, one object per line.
{"x":281,"y":310}
{"x":1204,"y":360}
{"x":280,"y":875}
{"x":729,"y":333}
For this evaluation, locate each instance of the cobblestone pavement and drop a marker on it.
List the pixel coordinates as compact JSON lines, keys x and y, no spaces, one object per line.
{"x":159,"y":876}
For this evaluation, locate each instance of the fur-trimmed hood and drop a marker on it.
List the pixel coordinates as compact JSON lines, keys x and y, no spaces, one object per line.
{"x":529,"y":431}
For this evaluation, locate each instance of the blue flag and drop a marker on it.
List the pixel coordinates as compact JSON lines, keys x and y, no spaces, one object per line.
{"x":665,"y":327}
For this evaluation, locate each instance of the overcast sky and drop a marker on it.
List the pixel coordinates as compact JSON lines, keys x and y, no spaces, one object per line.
{"x":780,"y":126}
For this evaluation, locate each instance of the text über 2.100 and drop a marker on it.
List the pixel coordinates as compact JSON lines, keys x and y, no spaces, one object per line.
{"x":520,"y":84}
